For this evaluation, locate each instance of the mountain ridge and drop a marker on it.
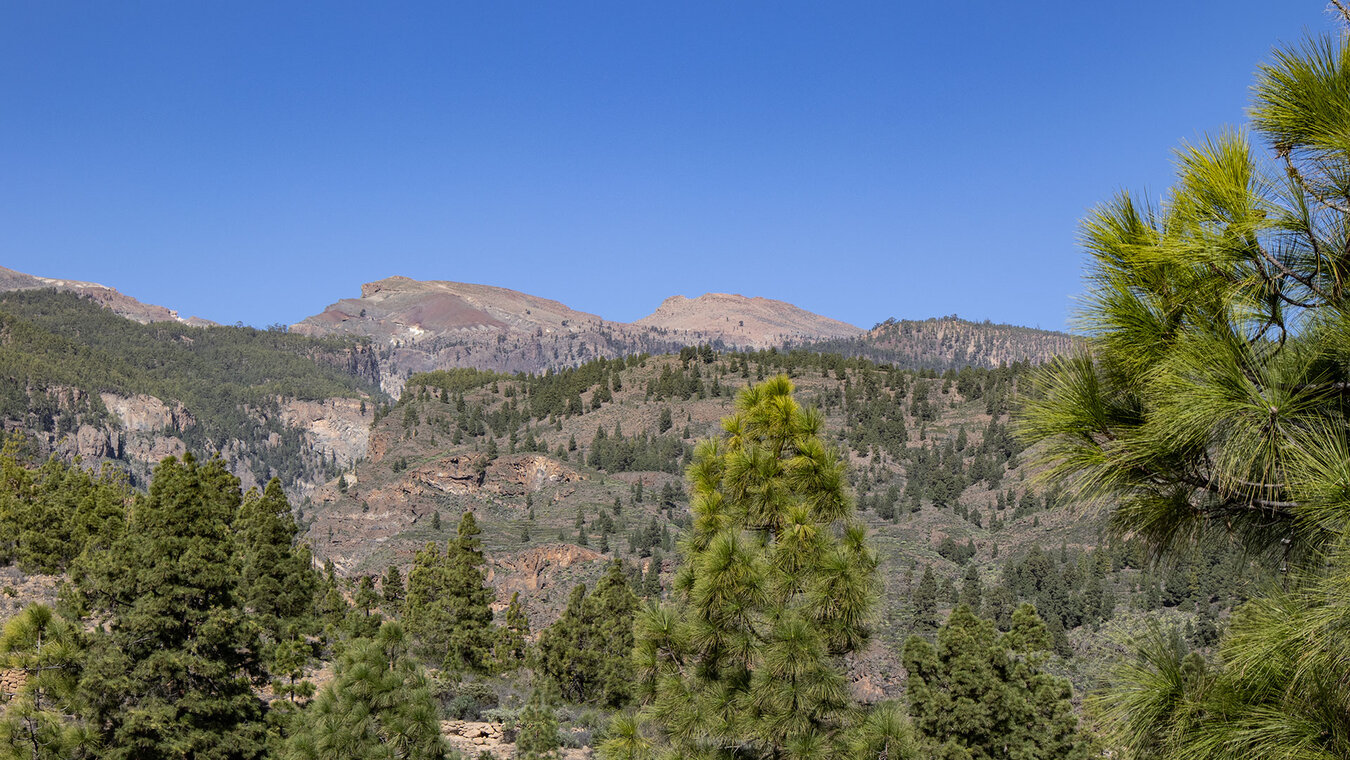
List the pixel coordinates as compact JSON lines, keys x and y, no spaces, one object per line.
{"x":112,"y":299}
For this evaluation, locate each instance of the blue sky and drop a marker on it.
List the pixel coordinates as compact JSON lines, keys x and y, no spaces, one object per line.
{"x":257,"y":161}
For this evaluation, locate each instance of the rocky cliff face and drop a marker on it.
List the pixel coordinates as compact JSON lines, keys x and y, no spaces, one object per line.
{"x":421,"y":326}
{"x":335,"y":428}
{"x":141,"y":430}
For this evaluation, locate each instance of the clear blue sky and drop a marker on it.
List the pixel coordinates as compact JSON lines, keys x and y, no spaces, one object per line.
{"x":258,"y":161}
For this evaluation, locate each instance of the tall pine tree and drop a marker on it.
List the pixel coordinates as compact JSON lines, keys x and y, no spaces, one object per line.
{"x":448,"y":609}
{"x":775,"y":587}
{"x":173,"y":663}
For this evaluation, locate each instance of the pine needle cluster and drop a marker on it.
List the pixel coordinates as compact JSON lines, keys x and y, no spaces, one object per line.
{"x":1213,"y":401}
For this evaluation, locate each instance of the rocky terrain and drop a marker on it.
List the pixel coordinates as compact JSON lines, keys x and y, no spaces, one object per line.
{"x":80,"y":381}
{"x":735,"y":320}
{"x":949,"y":343}
{"x":544,"y":510}
{"x":426,"y":325}
{"x":114,"y":301}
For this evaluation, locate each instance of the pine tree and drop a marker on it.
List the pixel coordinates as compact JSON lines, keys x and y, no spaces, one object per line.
{"x":972,"y":590}
{"x":538,"y":738}
{"x":926,"y":603}
{"x":1208,"y":405}
{"x":776,"y":585}
{"x":379,"y":705}
{"x":980,"y":694}
{"x":448,"y":609}
{"x":586,"y":651}
{"x":277,"y":583}
{"x":364,"y":620}
{"x":391,"y":590}
{"x":172,"y":673}
{"x":510,"y":649}
{"x":331,"y":606}
{"x":38,"y":722}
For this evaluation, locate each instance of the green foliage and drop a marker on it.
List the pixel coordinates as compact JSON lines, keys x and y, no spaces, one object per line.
{"x":538,"y":738}
{"x":925,"y":602}
{"x":40,"y":722}
{"x":61,"y":351}
{"x":980,"y":694}
{"x":776,"y":585}
{"x":48,"y":516}
{"x":883,"y":734}
{"x":510,"y":649}
{"x":378,"y":706}
{"x":1210,"y":400}
{"x":391,"y":591}
{"x":448,"y":608}
{"x":586,"y":651}
{"x":277,"y":581}
{"x":1277,"y":688}
{"x":171,"y":675}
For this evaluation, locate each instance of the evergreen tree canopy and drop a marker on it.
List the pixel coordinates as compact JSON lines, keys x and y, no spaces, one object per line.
{"x":40,"y":722}
{"x":49,"y":515}
{"x":278,"y":581}
{"x":586,"y":652}
{"x":538,"y":738}
{"x":1212,"y":399}
{"x":982,"y":695}
{"x":1213,"y":389}
{"x":379,"y":706}
{"x":776,"y":584}
{"x":510,"y":648}
{"x":171,"y":671}
{"x":448,"y":609}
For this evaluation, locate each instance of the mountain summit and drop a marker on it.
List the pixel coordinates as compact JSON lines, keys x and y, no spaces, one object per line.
{"x":434,"y":324}
{"x":740,"y":321}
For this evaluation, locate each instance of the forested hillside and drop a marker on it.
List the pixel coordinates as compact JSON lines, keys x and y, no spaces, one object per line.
{"x":566,"y":471}
{"x":521,"y":521}
{"x":950,"y":343}
{"x":85,"y":381}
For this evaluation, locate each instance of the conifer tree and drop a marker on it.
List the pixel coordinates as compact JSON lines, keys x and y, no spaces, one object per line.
{"x":363,"y":621}
{"x":277,"y":582}
{"x":1209,"y":404}
{"x":170,"y":673}
{"x":538,"y":738}
{"x":449,"y":603}
{"x":586,"y":651}
{"x":41,"y":721}
{"x":379,"y":705}
{"x":983,"y":695}
{"x":510,"y":648}
{"x":776,"y":585}
{"x":391,"y":590}
{"x":926,"y":603}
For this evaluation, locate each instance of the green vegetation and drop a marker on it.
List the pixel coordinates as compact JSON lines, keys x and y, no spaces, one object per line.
{"x":39,"y":723}
{"x":379,"y":705}
{"x":448,"y":602}
{"x":1209,"y":408}
{"x":981,"y":694}
{"x":586,"y":652}
{"x":48,"y":516}
{"x":61,"y":351}
{"x":776,"y":585}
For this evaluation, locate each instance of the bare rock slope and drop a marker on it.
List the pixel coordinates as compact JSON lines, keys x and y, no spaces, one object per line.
{"x":740,"y":321}
{"x":426,"y":325}
{"x":111,"y":299}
